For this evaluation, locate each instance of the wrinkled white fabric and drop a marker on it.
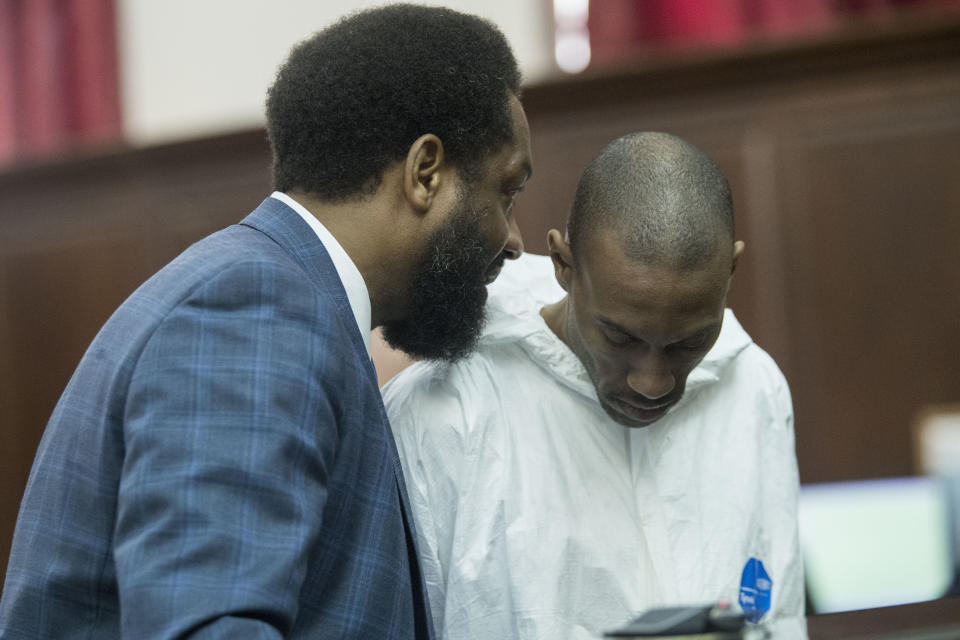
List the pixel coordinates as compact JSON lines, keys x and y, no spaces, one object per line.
{"x":540,"y":517}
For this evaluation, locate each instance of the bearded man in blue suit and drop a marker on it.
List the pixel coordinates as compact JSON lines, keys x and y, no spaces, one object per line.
{"x":220,"y":464}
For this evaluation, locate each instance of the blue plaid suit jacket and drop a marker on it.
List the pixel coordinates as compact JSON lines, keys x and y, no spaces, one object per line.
{"x":220,"y":464}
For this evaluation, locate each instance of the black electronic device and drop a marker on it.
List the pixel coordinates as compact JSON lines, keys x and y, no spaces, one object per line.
{"x":717,"y":622}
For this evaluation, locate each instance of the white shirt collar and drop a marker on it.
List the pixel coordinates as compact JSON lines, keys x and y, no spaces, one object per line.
{"x":350,"y":276}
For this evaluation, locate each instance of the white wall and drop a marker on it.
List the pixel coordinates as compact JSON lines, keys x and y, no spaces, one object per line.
{"x":198,"y":67}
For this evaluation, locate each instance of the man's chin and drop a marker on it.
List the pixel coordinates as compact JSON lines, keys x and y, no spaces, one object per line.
{"x":449,"y":350}
{"x":448,"y":340}
{"x":631,"y":416}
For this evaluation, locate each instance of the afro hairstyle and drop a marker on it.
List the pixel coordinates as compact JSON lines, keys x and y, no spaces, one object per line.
{"x":352,"y":99}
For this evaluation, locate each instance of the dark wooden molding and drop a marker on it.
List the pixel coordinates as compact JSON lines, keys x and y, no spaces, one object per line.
{"x":863,"y":46}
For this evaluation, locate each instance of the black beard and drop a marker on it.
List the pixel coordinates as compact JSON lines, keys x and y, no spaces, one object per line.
{"x":448,"y":293}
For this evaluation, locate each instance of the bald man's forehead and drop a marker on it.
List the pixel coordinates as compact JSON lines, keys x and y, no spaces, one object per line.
{"x":672,"y":246}
{"x":644,"y":296}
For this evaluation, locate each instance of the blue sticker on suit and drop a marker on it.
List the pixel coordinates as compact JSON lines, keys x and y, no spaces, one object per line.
{"x":755,"y":589}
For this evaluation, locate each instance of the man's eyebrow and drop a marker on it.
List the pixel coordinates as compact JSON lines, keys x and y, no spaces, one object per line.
{"x":699,"y":333}
{"x":527,"y":169}
{"x":610,"y":324}
{"x":520,"y":177}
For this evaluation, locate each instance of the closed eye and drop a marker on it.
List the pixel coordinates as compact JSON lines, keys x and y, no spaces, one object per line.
{"x":615,"y":337}
{"x":513,"y":193}
{"x":694,"y":344}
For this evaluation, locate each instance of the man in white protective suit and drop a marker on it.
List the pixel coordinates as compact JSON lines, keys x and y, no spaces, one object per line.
{"x":618,"y":442}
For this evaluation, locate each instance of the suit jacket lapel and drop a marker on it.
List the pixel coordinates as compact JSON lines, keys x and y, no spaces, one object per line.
{"x":288,"y":229}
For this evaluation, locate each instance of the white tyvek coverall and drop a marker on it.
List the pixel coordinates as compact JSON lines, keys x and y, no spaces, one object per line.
{"x":538,"y":516}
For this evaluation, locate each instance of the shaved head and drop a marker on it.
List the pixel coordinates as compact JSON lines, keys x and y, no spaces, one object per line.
{"x":665,"y":199}
{"x":646,"y":262}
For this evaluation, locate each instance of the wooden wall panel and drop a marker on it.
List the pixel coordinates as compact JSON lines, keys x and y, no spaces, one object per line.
{"x":875,"y":277}
{"x":77,"y":238}
{"x":60,"y":296}
{"x":14,"y":454}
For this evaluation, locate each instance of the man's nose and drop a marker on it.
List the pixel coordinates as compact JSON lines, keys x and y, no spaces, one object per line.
{"x":514,"y":247}
{"x":650,"y":376}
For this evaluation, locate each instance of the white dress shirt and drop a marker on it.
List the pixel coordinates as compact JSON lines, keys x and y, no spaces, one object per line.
{"x":350,"y":276}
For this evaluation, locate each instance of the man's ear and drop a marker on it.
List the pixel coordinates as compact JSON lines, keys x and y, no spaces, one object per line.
{"x":562,"y":257}
{"x":422,"y":171}
{"x":738,"y":248}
